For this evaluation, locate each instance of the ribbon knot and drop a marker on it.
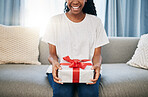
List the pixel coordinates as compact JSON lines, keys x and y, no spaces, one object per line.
{"x":76,"y":63}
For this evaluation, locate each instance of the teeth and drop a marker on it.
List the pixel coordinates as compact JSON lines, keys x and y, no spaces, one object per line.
{"x":75,"y":7}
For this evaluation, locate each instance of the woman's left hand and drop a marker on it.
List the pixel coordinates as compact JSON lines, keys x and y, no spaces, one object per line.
{"x":96,"y":68}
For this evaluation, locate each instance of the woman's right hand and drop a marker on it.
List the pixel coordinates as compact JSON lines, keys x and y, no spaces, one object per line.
{"x":55,"y":67}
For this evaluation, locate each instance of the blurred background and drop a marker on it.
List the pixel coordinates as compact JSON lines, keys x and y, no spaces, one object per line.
{"x":121,"y":18}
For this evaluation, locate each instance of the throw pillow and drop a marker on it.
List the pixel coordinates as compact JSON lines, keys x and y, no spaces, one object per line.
{"x":140,"y":57}
{"x":19,"y":45}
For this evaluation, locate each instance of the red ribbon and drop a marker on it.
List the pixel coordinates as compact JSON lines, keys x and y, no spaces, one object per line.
{"x":76,"y":64}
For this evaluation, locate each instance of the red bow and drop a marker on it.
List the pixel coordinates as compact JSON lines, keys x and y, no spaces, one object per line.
{"x":76,"y":63}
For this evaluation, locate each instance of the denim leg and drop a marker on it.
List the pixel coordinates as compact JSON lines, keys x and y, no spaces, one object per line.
{"x":50,"y":79}
{"x":61,"y":90}
{"x":85,"y":90}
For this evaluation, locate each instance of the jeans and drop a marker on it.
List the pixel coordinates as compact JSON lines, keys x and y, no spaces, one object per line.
{"x":67,"y":89}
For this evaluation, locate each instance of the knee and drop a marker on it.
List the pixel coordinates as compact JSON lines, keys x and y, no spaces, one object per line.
{"x":89,"y":94}
{"x":62,"y":91}
{"x":58,"y":93}
{"x":89,"y":91}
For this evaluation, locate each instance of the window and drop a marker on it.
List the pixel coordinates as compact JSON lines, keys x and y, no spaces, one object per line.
{"x":37,"y":12}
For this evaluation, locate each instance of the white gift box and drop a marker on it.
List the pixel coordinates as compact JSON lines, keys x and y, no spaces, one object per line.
{"x":76,"y":75}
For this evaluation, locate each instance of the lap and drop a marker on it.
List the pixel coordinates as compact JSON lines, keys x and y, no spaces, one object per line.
{"x":85,"y":90}
{"x":61,"y":90}
{"x":67,"y":90}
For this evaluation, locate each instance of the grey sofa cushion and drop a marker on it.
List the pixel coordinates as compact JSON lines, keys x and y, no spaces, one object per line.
{"x":43,"y":52}
{"x":119,"y":50}
{"x":24,"y":81}
{"x":122,"y":80}
{"x":118,"y":80}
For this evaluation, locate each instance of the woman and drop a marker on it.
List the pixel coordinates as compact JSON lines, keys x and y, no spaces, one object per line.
{"x":77,"y":33}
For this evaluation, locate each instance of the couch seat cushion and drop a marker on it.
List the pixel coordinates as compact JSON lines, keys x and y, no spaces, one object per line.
{"x":24,"y":81}
{"x":122,"y":80}
{"x":118,"y":80}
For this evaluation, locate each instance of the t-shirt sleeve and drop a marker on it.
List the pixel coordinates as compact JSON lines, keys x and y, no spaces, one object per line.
{"x":101,"y":36}
{"x":50,"y":33}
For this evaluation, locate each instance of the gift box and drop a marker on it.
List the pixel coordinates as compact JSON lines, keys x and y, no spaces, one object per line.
{"x":75,"y":70}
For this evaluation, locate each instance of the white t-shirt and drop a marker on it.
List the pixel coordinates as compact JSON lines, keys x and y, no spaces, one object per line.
{"x":77,"y":40}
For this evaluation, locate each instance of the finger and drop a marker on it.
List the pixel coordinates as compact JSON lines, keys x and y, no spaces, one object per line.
{"x":54,"y":73}
{"x":54,"y":68}
{"x":96,"y":77}
{"x":59,"y":66}
{"x":94,"y":80}
{"x":57,"y":81}
{"x":56,"y":78}
{"x":91,"y":83}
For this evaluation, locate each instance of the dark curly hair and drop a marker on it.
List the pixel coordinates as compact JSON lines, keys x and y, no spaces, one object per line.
{"x":88,"y":8}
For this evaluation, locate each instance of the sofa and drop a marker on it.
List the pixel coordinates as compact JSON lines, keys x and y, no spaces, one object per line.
{"x":118,"y":79}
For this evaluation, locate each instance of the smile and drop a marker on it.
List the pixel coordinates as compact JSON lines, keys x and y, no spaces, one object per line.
{"x":75,"y":7}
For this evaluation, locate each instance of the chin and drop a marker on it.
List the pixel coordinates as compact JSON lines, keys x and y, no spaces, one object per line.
{"x":75,"y":12}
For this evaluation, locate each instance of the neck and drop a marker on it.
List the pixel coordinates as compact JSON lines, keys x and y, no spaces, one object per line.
{"x":75,"y":17}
